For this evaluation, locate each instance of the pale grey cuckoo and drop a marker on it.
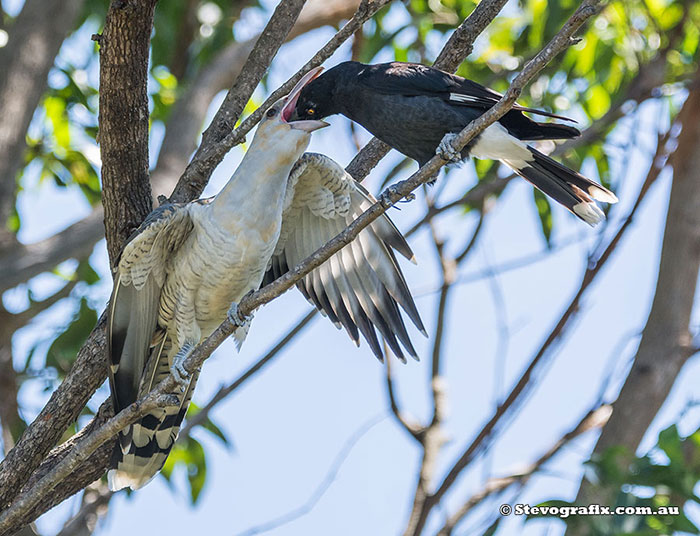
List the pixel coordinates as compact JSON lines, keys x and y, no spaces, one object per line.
{"x":189,"y":264}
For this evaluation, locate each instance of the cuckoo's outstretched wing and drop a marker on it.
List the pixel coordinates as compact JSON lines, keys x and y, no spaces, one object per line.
{"x":361,"y":286}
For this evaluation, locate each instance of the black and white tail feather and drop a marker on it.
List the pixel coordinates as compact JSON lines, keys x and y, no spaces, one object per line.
{"x":566,"y":186}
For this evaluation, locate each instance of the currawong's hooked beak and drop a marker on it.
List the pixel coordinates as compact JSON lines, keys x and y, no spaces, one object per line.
{"x":308,"y":125}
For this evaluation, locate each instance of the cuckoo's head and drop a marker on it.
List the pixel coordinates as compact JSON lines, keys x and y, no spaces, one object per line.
{"x":278,"y":132}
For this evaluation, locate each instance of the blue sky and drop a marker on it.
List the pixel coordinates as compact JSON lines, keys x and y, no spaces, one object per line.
{"x":290,"y":422}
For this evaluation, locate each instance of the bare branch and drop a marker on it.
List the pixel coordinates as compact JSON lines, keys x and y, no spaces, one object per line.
{"x":20,"y":262}
{"x":209,"y":156}
{"x":571,"y":311}
{"x":666,"y":338}
{"x":21,"y":319}
{"x":34,"y":41}
{"x":225,"y":391}
{"x":187,"y":116}
{"x":322,"y":487}
{"x":458,"y":47}
{"x":414,"y":429}
{"x":275,"y":33}
{"x":12,"y":516}
{"x":594,"y":418}
{"x":64,"y":406}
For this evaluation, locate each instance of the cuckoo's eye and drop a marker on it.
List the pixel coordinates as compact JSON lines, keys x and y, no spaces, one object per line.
{"x":271,"y":112}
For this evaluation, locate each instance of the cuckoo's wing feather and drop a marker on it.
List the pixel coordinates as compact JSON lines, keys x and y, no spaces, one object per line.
{"x":361,"y":287}
{"x":133,"y":310}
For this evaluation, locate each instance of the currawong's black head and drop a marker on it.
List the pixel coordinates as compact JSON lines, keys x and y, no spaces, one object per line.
{"x":322,"y":97}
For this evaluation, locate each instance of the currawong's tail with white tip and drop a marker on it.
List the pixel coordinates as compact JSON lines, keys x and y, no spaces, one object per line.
{"x":566,"y":186}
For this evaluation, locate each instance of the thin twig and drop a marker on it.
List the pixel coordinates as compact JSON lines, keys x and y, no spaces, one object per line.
{"x":321,"y":489}
{"x":413,"y":428}
{"x":600,"y":258}
{"x":226,"y":390}
{"x":271,"y":39}
{"x":458,"y":47}
{"x":594,"y":418}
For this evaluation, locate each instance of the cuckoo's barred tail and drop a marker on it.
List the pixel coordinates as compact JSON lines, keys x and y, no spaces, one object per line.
{"x":144,"y":446}
{"x":566,"y":186}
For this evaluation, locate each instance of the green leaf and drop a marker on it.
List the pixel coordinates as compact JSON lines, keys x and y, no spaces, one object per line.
{"x":670,"y":443}
{"x":597,"y":101}
{"x":544,"y":211}
{"x":209,"y":425}
{"x":56,"y":112}
{"x":190,"y":455}
{"x":86,"y":273}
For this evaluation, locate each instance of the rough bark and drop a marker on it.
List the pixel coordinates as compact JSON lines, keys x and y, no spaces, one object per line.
{"x":666,"y":338}
{"x":124,"y":49}
{"x":34,"y":40}
{"x":123,"y":121}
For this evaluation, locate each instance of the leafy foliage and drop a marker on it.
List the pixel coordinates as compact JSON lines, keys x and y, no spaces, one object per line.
{"x":664,"y":478}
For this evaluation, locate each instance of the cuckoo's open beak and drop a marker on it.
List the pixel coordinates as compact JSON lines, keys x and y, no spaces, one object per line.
{"x":308,"y":125}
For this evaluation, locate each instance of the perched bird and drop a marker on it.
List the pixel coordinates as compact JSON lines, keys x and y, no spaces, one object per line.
{"x":418,"y":110}
{"x":189,"y":264}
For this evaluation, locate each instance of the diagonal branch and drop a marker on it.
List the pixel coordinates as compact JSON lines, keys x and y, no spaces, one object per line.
{"x":593,"y":419}
{"x":458,"y":47}
{"x":186,"y":119}
{"x":253,"y":300}
{"x":275,"y":33}
{"x":209,"y":155}
{"x":226,"y":390}
{"x":597,"y":262}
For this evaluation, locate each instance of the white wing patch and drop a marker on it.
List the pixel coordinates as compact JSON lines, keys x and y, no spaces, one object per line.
{"x":460,"y":97}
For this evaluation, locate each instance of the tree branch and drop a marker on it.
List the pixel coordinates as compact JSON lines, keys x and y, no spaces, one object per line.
{"x":210,"y":155}
{"x":14,"y":516}
{"x":187,"y":116}
{"x":275,"y":33}
{"x":663,"y":349}
{"x":458,"y":47}
{"x":596,"y":263}
{"x":253,"y":300}
{"x":224,"y":391}
{"x":413,"y":428}
{"x":34,"y":41}
{"x":123,"y":120}
{"x":594,"y":418}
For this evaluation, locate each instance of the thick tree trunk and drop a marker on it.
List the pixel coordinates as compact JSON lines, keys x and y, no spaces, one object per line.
{"x":123,"y":135}
{"x":666,"y":339}
{"x":124,"y":49}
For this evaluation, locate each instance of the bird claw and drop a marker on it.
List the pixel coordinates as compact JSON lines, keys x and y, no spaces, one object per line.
{"x":234,"y":316}
{"x":446,"y":151}
{"x":177,"y":369}
{"x":386,"y":198}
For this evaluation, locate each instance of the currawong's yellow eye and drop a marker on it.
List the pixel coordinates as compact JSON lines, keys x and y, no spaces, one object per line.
{"x":310,"y":111}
